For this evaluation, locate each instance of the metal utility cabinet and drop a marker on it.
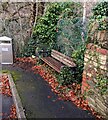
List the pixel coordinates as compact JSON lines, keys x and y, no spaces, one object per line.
{"x":6,"y":52}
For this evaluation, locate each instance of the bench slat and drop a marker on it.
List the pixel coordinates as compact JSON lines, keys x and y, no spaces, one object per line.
{"x":63,"y":58}
{"x":57,"y":60}
{"x":56,"y":65}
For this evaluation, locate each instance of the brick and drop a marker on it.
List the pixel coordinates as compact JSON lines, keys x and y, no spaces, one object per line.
{"x":102,"y":59}
{"x":85,"y":76}
{"x":85,"y":84}
{"x":86,"y":59}
{"x":85,"y":64}
{"x":95,"y":62}
{"x":85,"y":89}
{"x":99,"y":103}
{"x":104,"y":67}
{"x":90,"y":75}
{"x":91,"y":100}
{"x":91,"y":46}
{"x":82,"y":90}
{"x":102,"y":51}
{"x":84,"y":79}
{"x":97,"y":49}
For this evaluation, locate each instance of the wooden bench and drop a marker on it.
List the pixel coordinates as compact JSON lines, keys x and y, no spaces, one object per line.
{"x":58,"y":60}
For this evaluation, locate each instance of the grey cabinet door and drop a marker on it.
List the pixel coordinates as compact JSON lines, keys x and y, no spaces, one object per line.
{"x":6,"y":55}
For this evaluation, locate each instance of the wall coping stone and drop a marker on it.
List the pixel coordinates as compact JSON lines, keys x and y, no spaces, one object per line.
{"x":97,"y":49}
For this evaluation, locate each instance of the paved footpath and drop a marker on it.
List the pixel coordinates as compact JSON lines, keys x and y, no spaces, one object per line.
{"x":40,"y":102}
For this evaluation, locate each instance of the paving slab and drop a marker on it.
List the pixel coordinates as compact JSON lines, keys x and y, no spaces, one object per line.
{"x":34,"y":91}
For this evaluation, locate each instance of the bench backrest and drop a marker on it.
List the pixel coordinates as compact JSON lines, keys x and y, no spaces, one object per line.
{"x":63,"y":58}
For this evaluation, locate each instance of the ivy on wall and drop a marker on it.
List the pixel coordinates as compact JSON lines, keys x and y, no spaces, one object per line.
{"x":102,"y":84}
{"x":46,"y":28}
{"x":69,"y":42}
{"x":100,"y":14}
{"x":98,"y":28}
{"x":98,"y":34}
{"x":69,"y":35}
{"x":44,"y":33}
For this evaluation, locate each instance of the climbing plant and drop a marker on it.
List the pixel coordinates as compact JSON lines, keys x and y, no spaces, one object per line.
{"x":78,"y":57}
{"x":29,"y":49}
{"x":46,"y":29}
{"x":98,"y":30}
{"x":98,"y":34}
{"x":102,"y":84}
{"x":69,"y":35}
{"x":100,"y":14}
{"x":69,"y":40}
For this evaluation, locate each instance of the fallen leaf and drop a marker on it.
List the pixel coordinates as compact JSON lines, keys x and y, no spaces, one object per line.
{"x":49,"y":96}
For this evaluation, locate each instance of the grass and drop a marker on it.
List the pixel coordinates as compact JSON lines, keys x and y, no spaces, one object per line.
{"x":15,"y":75}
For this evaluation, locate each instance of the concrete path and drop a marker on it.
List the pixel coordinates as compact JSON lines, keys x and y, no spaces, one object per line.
{"x":39,"y":101}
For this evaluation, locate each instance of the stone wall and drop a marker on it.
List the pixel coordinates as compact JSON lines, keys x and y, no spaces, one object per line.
{"x":95,"y":63}
{"x":16,"y":22}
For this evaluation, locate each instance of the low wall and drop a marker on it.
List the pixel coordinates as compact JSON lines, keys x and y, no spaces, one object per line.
{"x":95,"y":63}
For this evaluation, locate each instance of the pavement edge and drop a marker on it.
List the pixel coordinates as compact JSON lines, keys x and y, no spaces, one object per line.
{"x":17,"y":100}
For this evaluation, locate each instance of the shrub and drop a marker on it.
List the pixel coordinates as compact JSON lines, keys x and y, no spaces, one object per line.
{"x":78,"y":56}
{"x":29,"y":49}
{"x":66,"y":76}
